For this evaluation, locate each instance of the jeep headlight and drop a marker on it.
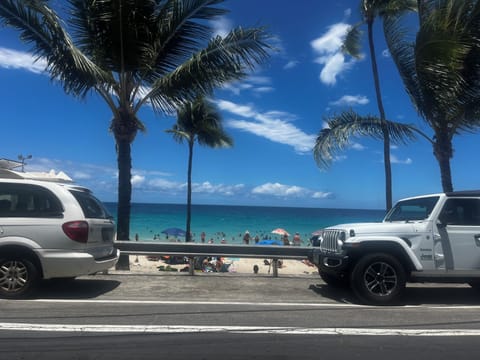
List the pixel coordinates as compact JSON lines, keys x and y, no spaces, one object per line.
{"x":342,"y":236}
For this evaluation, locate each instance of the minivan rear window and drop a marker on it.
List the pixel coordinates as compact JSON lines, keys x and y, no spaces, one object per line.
{"x":25,"y":200}
{"x":91,"y":206}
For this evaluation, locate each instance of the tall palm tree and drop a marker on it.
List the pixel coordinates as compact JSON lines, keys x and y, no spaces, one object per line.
{"x":132,"y":53}
{"x":198,"y":121}
{"x":440,"y":71}
{"x":370,"y":10}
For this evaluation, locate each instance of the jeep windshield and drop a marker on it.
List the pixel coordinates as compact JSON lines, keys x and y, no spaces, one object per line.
{"x":412,"y":209}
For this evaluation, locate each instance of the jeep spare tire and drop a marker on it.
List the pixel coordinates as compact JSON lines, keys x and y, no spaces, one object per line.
{"x":378,"y":279}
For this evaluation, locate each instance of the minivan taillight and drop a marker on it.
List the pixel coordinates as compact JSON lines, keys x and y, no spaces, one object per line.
{"x":76,"y":230}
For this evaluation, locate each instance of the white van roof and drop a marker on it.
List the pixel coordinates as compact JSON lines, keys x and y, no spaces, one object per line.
{"x":60,"y":177}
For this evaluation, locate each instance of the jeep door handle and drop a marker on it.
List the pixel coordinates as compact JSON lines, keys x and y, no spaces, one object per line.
{"x":477,"y":239}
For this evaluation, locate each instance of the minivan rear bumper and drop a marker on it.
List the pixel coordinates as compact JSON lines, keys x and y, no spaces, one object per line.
{"x":61,"y":264}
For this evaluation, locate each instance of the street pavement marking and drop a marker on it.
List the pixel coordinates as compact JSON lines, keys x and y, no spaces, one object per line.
{"x":172,"y":329}
{"x":240,"y":303}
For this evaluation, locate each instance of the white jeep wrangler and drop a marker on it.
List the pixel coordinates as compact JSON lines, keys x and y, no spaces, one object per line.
{"x":50,"y":228}
{"x":431,"y":238}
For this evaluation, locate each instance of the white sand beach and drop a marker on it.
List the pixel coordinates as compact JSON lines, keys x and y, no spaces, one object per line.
{"x":142,"y":264}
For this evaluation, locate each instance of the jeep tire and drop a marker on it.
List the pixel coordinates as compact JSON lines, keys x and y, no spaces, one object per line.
{"x":378,"y":279}
{"x":18,"y":277}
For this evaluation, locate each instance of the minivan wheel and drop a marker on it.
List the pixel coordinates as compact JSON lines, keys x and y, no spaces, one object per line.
{"x":378,"y":279}
{"x":18,"y":277}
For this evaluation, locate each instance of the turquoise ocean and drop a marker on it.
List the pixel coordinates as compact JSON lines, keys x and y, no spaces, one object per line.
{"x":230,"y":222}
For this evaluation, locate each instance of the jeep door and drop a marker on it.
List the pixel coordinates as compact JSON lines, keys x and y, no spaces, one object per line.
{"x":459,"y":230}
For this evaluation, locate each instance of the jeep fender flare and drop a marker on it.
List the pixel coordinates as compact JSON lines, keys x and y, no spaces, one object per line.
{"x":389,"y":244}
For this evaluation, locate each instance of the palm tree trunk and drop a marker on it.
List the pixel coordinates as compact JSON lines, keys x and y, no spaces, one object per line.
{"x":386,"y":135}
{"x":124,"y":162}
{"x":188,"y":237}
{"x":443,"y":152}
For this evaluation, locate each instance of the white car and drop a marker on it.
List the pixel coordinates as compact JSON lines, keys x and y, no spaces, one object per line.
{"x":429,"y":238}
{"x":50,"y":228}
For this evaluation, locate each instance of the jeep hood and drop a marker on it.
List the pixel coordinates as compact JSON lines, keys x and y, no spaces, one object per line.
{"x":378,"y":228}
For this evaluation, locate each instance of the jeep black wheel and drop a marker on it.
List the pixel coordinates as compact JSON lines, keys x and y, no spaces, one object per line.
{"x":18,"y":277}
{"x":378,"y":279}
{"x":337,"y":281}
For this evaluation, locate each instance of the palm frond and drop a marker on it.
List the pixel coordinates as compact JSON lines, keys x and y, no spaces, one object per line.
{"x":40,"y":26}
{"x":341,"y":128}
{"x":401,"y":45}
{"x":351,"y":44}
{"x":201,"y":121}
{"x":223,"y":60}
{"x":182,"y":28}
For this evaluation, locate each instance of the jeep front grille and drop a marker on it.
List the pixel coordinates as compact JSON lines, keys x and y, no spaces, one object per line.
{"x":330,"y":240}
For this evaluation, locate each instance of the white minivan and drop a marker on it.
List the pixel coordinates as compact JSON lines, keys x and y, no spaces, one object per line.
{"x":50,"y":228}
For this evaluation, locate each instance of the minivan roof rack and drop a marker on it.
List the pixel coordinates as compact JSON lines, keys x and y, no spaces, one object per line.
{"x":9,"y":164}
{"x":60,"y":177}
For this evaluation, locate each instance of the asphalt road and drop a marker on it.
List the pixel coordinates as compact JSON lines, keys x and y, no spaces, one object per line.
{"x":120,"y":316}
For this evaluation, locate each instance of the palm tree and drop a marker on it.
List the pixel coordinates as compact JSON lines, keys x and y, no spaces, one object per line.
{"x":132,"y":53}
{"x":371,"y":9}
{"x":198,"y":121}
{"x":440,"y":71}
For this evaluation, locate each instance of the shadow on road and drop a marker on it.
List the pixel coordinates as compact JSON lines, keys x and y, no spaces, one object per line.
{"x":75,"y":289}
{"x":427,"y":294}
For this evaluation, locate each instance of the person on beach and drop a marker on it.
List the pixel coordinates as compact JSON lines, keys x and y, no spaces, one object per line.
{"x":285,"y":240}
{"x":296,"y":240}
{"x":246,"y":237}
{"x":257,"y":239}
{"x":202,"y":236}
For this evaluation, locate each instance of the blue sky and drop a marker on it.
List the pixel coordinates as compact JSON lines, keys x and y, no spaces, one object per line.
{"x":273,"y":116}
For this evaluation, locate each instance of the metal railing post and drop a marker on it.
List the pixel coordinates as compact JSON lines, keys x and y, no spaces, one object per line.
{"x":275,"y":267}
{"x":191,"y":265}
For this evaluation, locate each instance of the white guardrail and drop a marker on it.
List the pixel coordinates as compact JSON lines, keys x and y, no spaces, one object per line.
{"x":191,"y":250}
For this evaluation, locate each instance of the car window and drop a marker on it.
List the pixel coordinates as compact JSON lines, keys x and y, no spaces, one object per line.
{"x":91,"y":206}
{"x":25,"y":200}
{"x":412,"y":209}
{"x":464,"y":212}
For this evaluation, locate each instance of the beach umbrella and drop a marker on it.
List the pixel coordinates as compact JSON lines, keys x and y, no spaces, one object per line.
{"x":269,"y":242}
{"x":280,"y":231}
{"x":174,"y":232}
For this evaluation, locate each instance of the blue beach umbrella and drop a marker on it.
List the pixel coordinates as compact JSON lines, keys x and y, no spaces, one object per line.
{"x":269,"y":242}
{"x":174,"y":232}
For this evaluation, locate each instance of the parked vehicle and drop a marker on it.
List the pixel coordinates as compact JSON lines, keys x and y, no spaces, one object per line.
{"x":50,"y":228}
{"x":430,"y":238}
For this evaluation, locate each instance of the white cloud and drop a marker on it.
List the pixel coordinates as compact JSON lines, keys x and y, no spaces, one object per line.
{"x":254,"y":83}
{"x":275,"y":126}
{"x":290,"y":65}
{"x":264,"y":89}
{"x":328,"y":51}
{"x":137,"y":180}
{"x":395,"y":160}
{"x":222,"y":26}
{"x":159,"y":184}
{"x":322,"y":195}
{"x":276,"y":189}
{"x":289,"y":191}
{"x":209,"y":188}
{"x":13,"y":59}
{"x":351,"y":100}
{"x":357,"y":146}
